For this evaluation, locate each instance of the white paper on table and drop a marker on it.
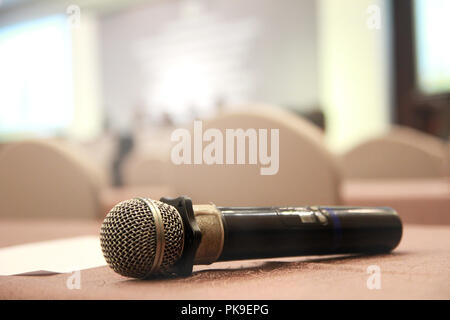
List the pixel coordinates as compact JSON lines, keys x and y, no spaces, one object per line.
{"x":54,"y":256}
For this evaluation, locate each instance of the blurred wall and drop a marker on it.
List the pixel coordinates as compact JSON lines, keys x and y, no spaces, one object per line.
{"x":88,"y":114}
{"x":355,"y":80}
{"x":87,"y":118}
{"x":184,"y":56}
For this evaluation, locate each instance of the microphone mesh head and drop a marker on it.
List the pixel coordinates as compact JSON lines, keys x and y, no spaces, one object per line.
{"x":128,"y":238}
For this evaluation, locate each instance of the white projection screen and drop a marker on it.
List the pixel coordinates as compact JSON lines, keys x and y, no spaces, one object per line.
{"x":35,"y":78}
{"x":432,"y":20}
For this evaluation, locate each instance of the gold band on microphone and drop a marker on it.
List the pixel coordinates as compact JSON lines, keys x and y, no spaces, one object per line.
{"x":160,"y":240}
{"x":209,"y":220}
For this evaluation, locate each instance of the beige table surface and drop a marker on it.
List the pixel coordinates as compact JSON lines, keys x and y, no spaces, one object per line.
{"x":418,"y":269}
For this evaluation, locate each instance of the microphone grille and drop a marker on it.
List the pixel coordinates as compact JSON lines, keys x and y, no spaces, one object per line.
{"x":130,"y":241}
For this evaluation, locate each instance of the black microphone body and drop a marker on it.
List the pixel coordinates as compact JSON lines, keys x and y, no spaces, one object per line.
{"x":292,"y":231}
{"x":269,"y":232}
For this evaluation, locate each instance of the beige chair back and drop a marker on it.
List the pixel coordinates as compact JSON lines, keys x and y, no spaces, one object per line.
{"x":48,"y":179}
{"x":401,"y":153}
{"x":146,"y":170}
{"x":307,"y":172}
{"x":100,"y":152}
{"x":147,"y":164}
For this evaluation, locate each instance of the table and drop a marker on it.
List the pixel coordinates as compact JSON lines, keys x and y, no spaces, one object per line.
{"x":418,"y":269}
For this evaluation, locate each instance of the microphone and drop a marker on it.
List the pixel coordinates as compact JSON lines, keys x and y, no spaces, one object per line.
{"x":143,"y":238}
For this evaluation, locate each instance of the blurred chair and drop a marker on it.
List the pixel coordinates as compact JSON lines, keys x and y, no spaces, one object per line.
{"x":404,"y":169}
{"x":48,"y":178}
{"x":401,"y":153}
{"x":147,"y":169}
{"x":101,"y":151}
{"x":147,"y":163}
{"x":307,"y":172}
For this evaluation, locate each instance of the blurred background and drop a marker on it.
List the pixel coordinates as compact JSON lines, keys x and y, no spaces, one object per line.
{"x":95,"y":88}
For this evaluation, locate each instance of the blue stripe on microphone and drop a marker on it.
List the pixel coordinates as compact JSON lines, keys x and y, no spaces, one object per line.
{"x":337,"y":229}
